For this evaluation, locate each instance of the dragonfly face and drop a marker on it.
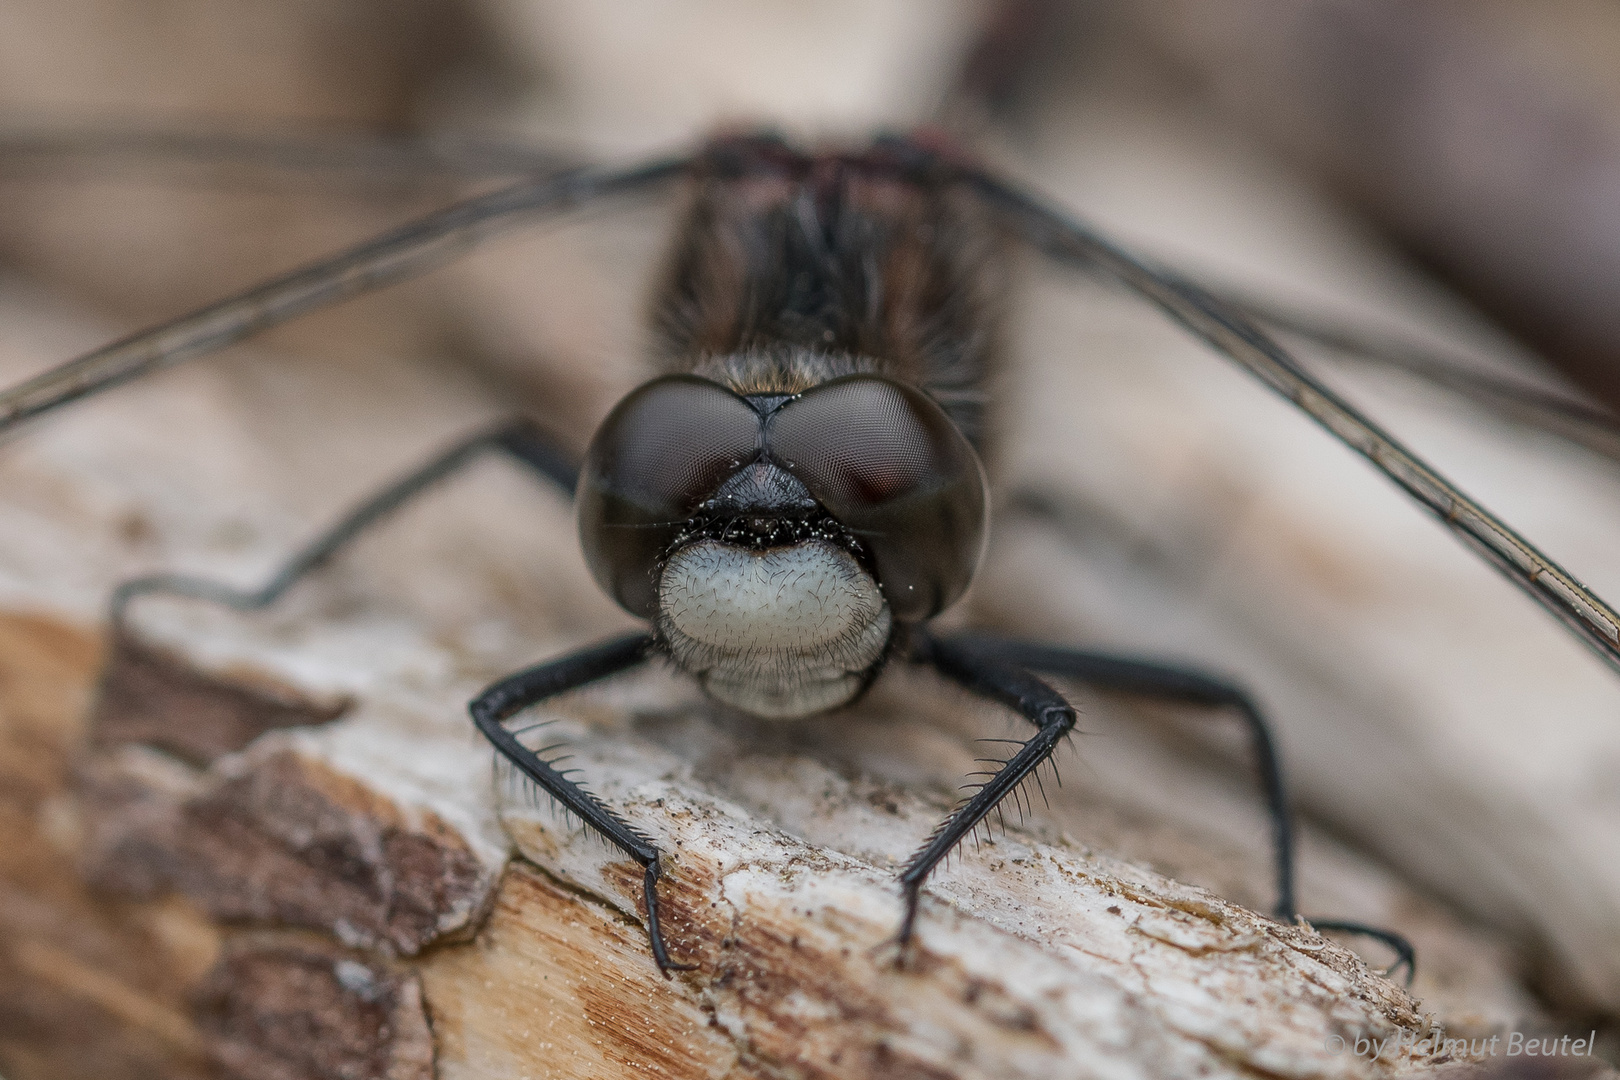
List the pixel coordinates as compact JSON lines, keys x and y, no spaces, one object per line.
{"x":793,"y":493}
{"x":777,"y":540}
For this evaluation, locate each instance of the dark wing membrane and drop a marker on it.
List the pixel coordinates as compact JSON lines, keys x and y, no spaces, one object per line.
{"x":407,"y":251}
{"x":1232,"y":332}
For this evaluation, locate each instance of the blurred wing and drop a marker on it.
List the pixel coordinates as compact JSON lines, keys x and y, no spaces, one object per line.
{"x":1233,"y":332}
{"x":1563,"y":414}
{"x":404,"y":252}
{"x":116,"y":151}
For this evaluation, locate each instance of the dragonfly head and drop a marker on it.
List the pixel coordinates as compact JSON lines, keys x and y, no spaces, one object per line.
{"x":775,"y":540}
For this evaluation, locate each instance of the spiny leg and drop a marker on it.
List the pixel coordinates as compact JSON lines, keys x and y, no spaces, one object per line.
{"x":1009,"y":685}
{"x":520,"y":438}
{"x":1169,"y":682}
{"x":1173,"y":682}
{"x":533,"y":685}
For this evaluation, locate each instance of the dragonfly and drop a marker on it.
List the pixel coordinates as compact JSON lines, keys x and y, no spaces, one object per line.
{"x":798,"y":496}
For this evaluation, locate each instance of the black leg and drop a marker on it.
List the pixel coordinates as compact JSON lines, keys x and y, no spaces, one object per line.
{"x":535,"y":684}
{"x":519,"y":438}
{"x":1014,"y":687}
{"x":1168,"y":682}
{"x":1172,"y":682}
{"x":1405,"y":954}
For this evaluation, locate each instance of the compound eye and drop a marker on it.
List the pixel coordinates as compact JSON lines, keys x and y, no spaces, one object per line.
{"x":661,"y":452}
{"x":885,"y":460}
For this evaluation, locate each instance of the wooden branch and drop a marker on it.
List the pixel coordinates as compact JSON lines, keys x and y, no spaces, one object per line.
{"x":246,"y":883}
{"x":1030,"y":962}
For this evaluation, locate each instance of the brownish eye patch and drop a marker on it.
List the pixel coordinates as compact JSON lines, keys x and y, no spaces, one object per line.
{"x":670,"y":443}
{"x":879,"y":456}
{"x":885,"y":460}
{"x":863,"y":441}
{"x":657,"y":456}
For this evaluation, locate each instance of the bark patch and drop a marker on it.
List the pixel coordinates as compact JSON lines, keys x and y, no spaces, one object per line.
{"x":151,"y":697}
{"x":296,"y":1010}
{"x":281,"y":840}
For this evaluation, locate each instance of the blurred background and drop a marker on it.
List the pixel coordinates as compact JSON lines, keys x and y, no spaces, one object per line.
{"x":1482,"y":137}
{"x":1447,"y":168}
